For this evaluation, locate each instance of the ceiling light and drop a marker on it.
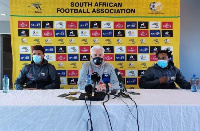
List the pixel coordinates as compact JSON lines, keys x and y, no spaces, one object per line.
{"x":3,"y":14}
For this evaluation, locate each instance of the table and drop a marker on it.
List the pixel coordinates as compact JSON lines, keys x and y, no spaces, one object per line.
{"x":42,"y":110}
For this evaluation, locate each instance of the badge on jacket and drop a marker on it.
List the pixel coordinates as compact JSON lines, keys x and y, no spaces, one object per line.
{"x":42,"y":74}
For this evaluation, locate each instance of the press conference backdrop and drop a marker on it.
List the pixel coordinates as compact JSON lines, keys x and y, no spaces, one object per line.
{"x":130,"y":32}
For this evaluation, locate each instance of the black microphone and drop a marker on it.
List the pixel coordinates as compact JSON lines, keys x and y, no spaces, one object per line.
{"x":106,"y":80}
{"x":95,"y":77}
{"x":120,"y":79}
{"x":88,"y":90}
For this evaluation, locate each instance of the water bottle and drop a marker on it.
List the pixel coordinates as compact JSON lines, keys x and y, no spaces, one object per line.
{"x":88,"y":80}
{"x":5,"y":84}
{"x":193,"y":81}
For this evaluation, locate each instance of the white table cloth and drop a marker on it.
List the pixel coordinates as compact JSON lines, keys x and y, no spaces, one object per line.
{"x":42,"y":110}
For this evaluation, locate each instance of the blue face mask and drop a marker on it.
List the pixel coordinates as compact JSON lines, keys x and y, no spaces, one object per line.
{"x":162,"y":63}
{"x":36,"y":58}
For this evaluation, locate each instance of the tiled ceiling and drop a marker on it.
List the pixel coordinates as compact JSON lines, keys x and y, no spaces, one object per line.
{"x":4,"y":9}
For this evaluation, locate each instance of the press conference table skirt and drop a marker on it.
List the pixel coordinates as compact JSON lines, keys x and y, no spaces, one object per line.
{"x":42,"y":110}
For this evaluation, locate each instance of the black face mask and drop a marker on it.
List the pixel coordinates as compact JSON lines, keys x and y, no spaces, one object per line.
{"x":97,"y":60}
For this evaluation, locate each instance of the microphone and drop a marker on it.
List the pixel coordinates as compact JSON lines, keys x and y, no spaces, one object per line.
{"x":95,"y":77}
{"x":88,"y":90}
{"x":120,"y":79}
{"x":106,"y":80}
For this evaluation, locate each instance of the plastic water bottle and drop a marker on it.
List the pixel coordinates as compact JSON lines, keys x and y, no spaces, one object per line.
{"x":5,"y":84}
{"x":193,"y":81}
{"x":88,"y":80}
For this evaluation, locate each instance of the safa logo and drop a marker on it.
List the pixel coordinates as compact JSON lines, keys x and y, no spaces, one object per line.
{"x":120,"y":57}
{"x":59,"y":33}
{"x":25,"y":57}
{"x":61,"y":72}
{"x":73,"y":57}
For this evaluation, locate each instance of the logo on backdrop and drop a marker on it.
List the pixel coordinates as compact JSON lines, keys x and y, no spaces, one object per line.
{"x":73,"y":57}
{"x":119,"y":25}
{"x":131,"y":49}
{"x":35,"y":33}
{"x":25,"y":57}
{"x":131,"y":57}
{"x":49,"y":57}
{"x":167,"y":33}
{"x":107,"y":25}
{"x":95,"y":24}
{"x":47,"y":24}
{"x":23,"y":24}
{"x":72,"y":81}
{"x":155,"y":6}
{"x":61,"y":72}
{"x":131,"y":81}
{"x":72,"y":24}
{"x":108,"y":49}
{"x":84,"y":49}
{"x":37,"y":6}
{"x":83,"y":25}
{"x":120,"y":49}
{"x":23,"y":32}
{"x":61,"y":57}
{"x":25,"y":49}
{"x":59,"y":33}
{"x":49,"y":49}
{"x":72,"y":49}
{"x":119,"y":33}
{"x":72,"y":73}
{"x":119,"y":57}
{"x":84,"y":57}
{"x":131,"y":25}
{"x":35,"y":24}
{"x":59,"y":24}
{"x":72,"y":33}
{"x":47,"y":33}
{"x":107,"y":33}
{"x":60,"y":49}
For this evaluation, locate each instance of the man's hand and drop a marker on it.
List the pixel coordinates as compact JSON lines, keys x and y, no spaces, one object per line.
{"x":164,"y":79}
{"x":102,"y":87}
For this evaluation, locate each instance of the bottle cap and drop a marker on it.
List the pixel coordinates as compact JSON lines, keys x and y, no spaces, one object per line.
{"x":88,"y":76}
{"x":194,"y":75}
{"x":5,"y":76}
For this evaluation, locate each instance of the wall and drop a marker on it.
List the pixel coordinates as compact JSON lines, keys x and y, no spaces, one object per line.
{"x":190,"y":38}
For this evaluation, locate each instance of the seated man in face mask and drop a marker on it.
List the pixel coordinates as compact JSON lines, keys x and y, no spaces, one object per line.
{"x":39,"y":74}
{"x":164,"y":74}
{"x":97,"y":64}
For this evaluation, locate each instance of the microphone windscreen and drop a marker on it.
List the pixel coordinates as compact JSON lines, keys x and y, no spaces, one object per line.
{"x":88,"y":89}
{"x":95,"y":77}
{"x":106,"y":78}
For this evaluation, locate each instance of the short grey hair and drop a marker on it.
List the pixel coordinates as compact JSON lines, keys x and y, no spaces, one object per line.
{"x":97,"y":47}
